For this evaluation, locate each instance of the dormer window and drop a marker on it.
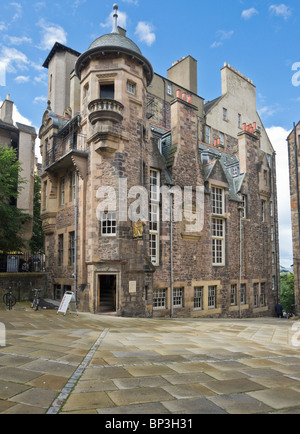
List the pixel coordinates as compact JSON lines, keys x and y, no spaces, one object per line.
{"x":206,"y":157}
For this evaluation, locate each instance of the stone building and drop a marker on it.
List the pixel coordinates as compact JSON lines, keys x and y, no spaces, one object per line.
{"x":120,"y":144}
{"x":21,"y":138}
{"x":293,"y":141}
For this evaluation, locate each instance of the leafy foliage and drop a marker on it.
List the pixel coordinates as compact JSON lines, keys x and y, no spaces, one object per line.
{"x":37,"y":240}
{"x":287,"y":292}
{"x":12,"y":219}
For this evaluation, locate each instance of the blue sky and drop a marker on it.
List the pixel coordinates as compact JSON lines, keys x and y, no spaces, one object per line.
{"x":260,"y":38}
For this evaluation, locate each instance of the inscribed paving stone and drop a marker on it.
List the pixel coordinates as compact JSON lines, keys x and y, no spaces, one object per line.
{"x":224,"y":375}
{"x":105,"y":373}
{"x":45,"y":366}
{"x":193,"y":406}
{"x":260,"y":372}
{"x":289,"y":369}
{"x":185,"y":368}
{"x":37,"y":397}
{"x":151,"y":408}
{"x":278,"y":398}
{"x":188,"y":391}
{"x":196,"y":377}
{"x":139,"y":396}
{"x":145,"y":371}
{"x":240,"y":404}
{"x":94,"y":386}
{"x":18,"y":375}
{"x":276,"y":381}
{"x":12,"y":361}
{"x":8,"y":389}
{"x":25,"y":409}
{"x":233,"y":386}
{"x":226,"y":366}
{"x":88,"y":400}
{"x":261,"y":363}
{"x":133,"y":383}
{"x":52,"y":382}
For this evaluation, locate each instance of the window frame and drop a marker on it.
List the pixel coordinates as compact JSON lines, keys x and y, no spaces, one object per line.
{"x":131,"y":87}
{"x":71,"y":251}
{"x":159,"y":299}
{"x":62,"y":191}
{"x":198,"y":297}
{"x":60,"y":249}
{"x":233,"y":294}
{"x":154,"y":231}
{"x":212,"y":297}
{"x":178,"y":296}
{"x":218,"y":226}
{"x":113,"y":227}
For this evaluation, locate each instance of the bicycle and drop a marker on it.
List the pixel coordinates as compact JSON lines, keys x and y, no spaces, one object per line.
{"x":9,"y":299}
{"x":36,"y":299}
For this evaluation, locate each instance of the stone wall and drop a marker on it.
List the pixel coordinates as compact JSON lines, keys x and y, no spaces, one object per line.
{"x":22,"y":285}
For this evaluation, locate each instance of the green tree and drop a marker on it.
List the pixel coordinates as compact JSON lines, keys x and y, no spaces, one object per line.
{"x":11,"y":218}
{"x":287,"y":292}
{"x":37,"y":240}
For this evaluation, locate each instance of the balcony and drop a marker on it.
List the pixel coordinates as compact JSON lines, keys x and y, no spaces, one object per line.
{"x":105,"y":110}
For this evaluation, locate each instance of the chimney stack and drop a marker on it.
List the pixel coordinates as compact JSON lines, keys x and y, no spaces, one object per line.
{"x":7,"y":110}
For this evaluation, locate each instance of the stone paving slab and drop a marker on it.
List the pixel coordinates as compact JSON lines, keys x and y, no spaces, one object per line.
{"x":91,"y":364}
{"x":278,"y":398}
{"x":240,"y":404}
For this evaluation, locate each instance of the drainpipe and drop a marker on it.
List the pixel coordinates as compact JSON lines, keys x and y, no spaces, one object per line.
{"x":171,"y":255}
{"x":240,"y":209}
{"x":297,"y":187}
{"x":75,"y":237}
{"x":297,"y":177}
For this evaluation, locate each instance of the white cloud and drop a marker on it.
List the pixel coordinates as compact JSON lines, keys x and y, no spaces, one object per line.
{"x":11,"y":58}
{"x":281,"y":10}
{"x":249,"y":13}
{"x":40,"y":99}
{"x":144,"y":32}
{"x":15,"y":40}
{"x":17,"y":117}
{"x":278,"y":136}
{"x":22,"y":79}
{"x":3,"y":26}
{"x":269,"y":110}
{"x":18,"y":11}
{"x":222,"y":36}
{"x":51,"y":33}
{"x":133,"y":2}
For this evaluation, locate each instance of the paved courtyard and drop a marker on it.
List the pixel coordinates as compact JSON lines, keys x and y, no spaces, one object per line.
{"x":83,"y":363}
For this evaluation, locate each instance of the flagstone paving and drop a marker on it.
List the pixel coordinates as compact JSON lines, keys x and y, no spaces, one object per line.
{"x":91,"y":364}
